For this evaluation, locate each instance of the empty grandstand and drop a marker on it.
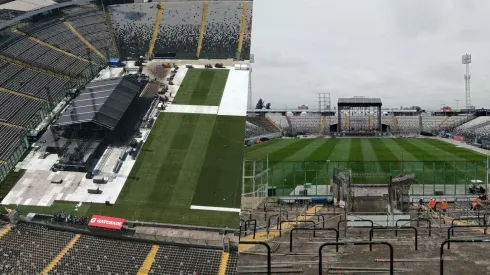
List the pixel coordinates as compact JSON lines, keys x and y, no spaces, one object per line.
{"x":34,"y":248}
{"x":183,"y":29}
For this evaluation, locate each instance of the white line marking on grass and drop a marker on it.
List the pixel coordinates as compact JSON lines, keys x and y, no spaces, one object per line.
{"x":192,"y":109}
{"x":212,"y":208}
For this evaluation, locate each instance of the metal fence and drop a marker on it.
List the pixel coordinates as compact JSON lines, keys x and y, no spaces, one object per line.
{"x":432,"y":177}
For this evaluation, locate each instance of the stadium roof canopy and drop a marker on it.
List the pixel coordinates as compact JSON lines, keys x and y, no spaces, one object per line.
{"x":359,"y":102}
{"x":27,"y":5}
{"x":102,"y":102}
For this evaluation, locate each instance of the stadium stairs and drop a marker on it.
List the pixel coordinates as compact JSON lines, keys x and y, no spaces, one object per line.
{"x":60,"y":255}
{"x":21,"y":94}
{"x":202,"y":27}
{"x":34,"y":68}
{"x":156,"y":27}
{"x":111,"y":30}
{"x":242,"y":29}
{"x":443,"y":122}
{"x":273,"y":232}
{"x":146,"y":266}
{"x":273,"y":124}
{"x":51,"y":46}
{"x":224,"y":262}
{"x":11,"y":125}
{"x":84,"y":41}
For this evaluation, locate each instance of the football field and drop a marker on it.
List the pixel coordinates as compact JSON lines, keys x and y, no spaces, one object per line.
{"x":295,"y":162}
{"x":189,"y":159}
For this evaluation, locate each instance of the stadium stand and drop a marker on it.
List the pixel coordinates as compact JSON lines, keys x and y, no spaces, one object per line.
{"x":247,"y":33}
{"x":407,"y":124}
{"x":54,"y":32}
{"x":179,"y":260}
{"x":225,"y":25}
{"x":28,"y":51}
{"x":9,"y":141}
{"x":33,"y":83}
{"x":19,"y":111}
{"x":305,"y":124}
{"x":28,"y":249}
{"x":179,"y":29}
{"x":470,"y":126}
{"x":279,"y":120}
{"x":260,"y":126}
{"x":91,"y":24}
{"x":33,"y":249}
{"x":133,"y":25}
{"x":222,"y":30}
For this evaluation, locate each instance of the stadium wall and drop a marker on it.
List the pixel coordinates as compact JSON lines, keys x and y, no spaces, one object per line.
{"x":225,"y":27}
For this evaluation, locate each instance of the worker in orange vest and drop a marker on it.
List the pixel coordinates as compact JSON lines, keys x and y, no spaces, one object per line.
{"x":444,"y":207}
{"x":432,"y":204}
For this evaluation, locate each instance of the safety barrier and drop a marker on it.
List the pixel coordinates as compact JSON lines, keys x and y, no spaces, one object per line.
{"x":346,"y":221}
{"x":451,"y":228}
{"x":371,"y":235}
{"x":268,"y":252}
{"x":355,"y":243}
{"x":412,"y":220}
{"x":337,"y":235}
{"x":441,"y":252}
{"x":247,"y":223}
{"x":292,"y":221}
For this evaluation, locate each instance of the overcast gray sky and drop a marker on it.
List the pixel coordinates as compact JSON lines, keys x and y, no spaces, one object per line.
{"x":405,"y":52}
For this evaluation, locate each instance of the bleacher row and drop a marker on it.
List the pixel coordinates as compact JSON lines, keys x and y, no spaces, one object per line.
{"x":314,"y":124}
{"x":179,"y":28}
{"x":478,"y":127}
{"x":41,"y":60}
{"x":257,"y":126}
{"x":29,"y":249}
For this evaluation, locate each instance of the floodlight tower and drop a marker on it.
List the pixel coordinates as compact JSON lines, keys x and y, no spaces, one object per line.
{"x":466,"y":60}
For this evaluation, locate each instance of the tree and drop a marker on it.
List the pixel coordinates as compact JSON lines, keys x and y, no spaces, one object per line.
{"x":260,"y":104}
{"x":268,"y":106}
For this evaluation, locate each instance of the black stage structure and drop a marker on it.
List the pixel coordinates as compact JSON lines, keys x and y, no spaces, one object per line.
{"x":359,"y":116}
{"x":90,"y":121}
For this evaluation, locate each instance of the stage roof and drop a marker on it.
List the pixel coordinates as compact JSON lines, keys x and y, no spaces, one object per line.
{"x":359,"y":101}
{"x":103,"y":102}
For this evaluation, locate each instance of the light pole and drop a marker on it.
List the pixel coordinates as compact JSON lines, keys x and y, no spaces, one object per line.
{"x":457,"y":103}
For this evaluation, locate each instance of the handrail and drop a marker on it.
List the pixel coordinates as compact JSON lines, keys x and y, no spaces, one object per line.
{"x":268,"y":252}
{"x":410,"y":220}
{"x":292,"y":221}
{"x":354,"y":243}
{"x":337,"y":235}
{"x":451,"y":228}
{"x":342,"y":221}
{"x":371,"y":234}
{"x":441,"y":251}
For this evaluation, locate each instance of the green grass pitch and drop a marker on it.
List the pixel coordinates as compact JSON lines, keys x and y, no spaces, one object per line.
{"x":183,"y":163}
{"x":188,"y":159}
{"x":202,"y":87}
{"x":299,"y":161}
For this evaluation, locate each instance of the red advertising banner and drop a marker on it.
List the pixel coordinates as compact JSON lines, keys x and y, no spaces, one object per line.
{"x":460,"y":138}
{"x":106,"y":222}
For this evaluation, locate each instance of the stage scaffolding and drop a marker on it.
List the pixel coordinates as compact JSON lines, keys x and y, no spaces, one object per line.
{"x":359,"y":115}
